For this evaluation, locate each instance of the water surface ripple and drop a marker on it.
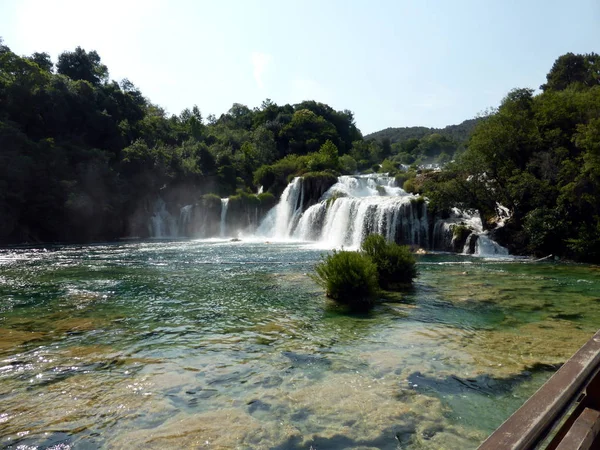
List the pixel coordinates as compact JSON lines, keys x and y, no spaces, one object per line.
{"x":214,"y":344}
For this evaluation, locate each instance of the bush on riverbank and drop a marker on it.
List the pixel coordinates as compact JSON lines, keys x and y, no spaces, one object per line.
{"x":350,"y":278}
{"x":396,"y":265}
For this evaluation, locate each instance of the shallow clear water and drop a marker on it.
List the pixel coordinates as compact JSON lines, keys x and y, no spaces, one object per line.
{"x":192,"y":344}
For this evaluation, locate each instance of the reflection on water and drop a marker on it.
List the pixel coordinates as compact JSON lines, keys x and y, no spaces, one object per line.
{"x":231,"y":345}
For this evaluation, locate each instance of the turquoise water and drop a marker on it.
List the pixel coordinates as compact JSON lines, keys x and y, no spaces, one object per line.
{"x":196,"y":344}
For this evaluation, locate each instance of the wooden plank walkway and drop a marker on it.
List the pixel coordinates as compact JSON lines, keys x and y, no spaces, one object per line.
{"x":576,"y":383}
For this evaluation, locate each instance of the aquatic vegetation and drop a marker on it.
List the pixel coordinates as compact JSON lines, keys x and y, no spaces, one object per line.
{"x":396,"y":265}
{"x":349,"y":278}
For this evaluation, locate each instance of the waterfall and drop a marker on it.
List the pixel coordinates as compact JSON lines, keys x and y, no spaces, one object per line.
{"x":341,"y":216}
{"x":223,"y":226}
{"x":486,"y":247}
{"x":350,"y":210}
{"x":185,"y":220}
{"x":162,"y":223}
{"x":288,"y":209}
{"x":357,"y":206}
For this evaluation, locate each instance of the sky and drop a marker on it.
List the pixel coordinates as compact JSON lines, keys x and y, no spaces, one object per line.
{"x":393,"y":63}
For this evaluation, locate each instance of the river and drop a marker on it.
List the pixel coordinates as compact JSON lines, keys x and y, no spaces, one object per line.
{"x":217,"y":344}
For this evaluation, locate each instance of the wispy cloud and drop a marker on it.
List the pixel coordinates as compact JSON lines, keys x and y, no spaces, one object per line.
{"x":260,"y":64}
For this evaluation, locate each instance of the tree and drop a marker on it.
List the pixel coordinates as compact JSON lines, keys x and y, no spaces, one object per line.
{"x":307,"y":131}
{"x":570,"y":68}
{"x":266,"y":148}
{"x":43,"y":60}
{"x":325,"y":159}
{"x":3,"y":48}
{"x":193,"y":122}
{"x":81,"y":65}
{"x":240,"y":116}
{"x":348,"y":164}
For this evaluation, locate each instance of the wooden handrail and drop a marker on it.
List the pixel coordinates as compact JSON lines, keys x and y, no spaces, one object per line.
{"x":531,"y":423}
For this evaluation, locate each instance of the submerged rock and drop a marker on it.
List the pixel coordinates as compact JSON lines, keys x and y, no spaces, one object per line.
{"x":307,"y":360}
{"x":484,"y":384}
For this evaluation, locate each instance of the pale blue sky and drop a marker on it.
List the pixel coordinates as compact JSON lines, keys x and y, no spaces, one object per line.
{"x":394,"y":63}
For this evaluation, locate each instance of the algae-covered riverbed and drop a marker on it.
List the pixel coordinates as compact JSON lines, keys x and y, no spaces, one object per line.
{"x":215,"y":345}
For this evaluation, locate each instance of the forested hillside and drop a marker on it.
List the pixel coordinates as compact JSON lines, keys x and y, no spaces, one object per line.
{"x":422,"y":145}
{"x":82,"y":157}
{"x":539,"y":156}
{"x":459,"y":133}
{"x":81,"y":153}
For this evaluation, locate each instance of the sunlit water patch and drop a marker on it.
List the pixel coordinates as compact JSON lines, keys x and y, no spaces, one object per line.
{"x":195,"y":344}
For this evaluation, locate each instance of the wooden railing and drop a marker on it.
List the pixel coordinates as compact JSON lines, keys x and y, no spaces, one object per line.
{"x":574,"y":387}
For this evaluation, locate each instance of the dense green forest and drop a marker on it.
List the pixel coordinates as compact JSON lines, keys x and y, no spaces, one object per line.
{"x":539,"y":156}
{"x":81,"y":153}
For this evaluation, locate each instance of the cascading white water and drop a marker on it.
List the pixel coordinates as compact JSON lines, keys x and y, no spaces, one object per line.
{"x":162,"y":223}
{"x":351,"y":209}
{"x":486,"y":247}
{"x":288,"y":209}
{"x":349,"y":220}
{"x":223,"y":225}
{"x":365,"y":186}
{"x":359,"y":205}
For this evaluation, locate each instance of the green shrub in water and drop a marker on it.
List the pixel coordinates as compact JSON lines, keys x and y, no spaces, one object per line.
{"x":349,"y":278}
{"x":396,"y":265}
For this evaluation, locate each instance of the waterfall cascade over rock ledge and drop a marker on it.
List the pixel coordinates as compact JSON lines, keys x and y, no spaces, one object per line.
{"x":333,"y":214}
{"x":357,"y":206}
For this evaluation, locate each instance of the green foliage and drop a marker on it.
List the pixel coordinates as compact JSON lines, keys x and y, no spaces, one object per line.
{"x":325,"y":159}
{"x":410,"y":186}
{"x":307,"y":131}
{"x":401,"y":177}
{"x":43,"y":61}
{"x":396,"y":265}
{"x":586,"y":245}
{"x":275,"y":177}
{"x":350,"y":278}
{"x":96,"y":149}
{"x":388,"y":167}
{"x":460,"y":233}
{"x":426,"y":144}
{"x":81,"y":65}
{"x":539,"y":156}
{"x":348,"y":165}
{"x":267,"y":200}
{"x":326,"y":178}
{"x":571,"y":69}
